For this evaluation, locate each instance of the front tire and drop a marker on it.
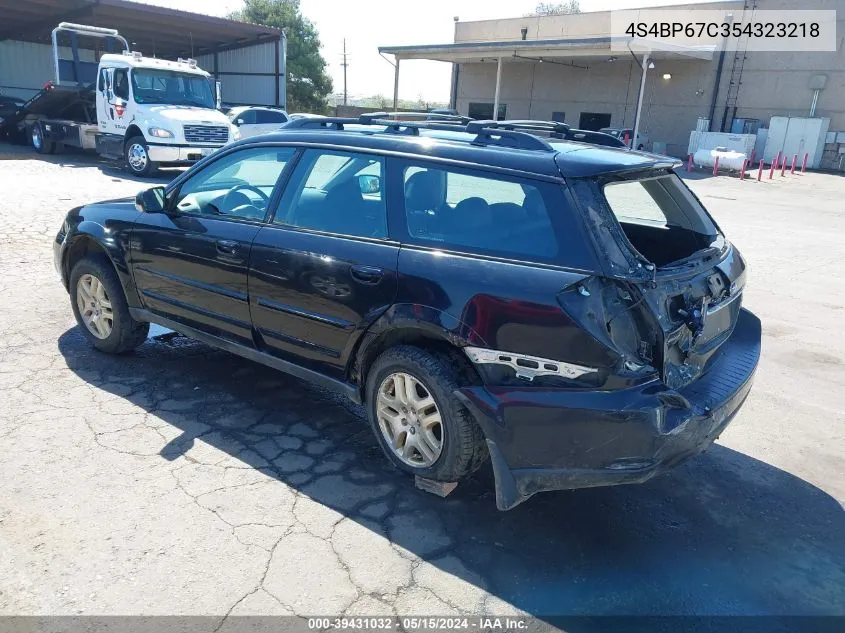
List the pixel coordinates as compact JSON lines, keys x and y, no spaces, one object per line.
{"x":137,"y":155}
{"x":420,"y":425}
{"x":99,"y":305}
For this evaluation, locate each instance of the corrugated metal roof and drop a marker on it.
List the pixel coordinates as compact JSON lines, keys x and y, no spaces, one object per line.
{"x":152,"y":30}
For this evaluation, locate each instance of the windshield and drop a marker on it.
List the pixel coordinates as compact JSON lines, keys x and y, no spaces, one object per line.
{"x":172,"y":88}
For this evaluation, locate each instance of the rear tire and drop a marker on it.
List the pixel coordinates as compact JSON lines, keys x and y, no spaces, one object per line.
{"x":39,"y":143}
{"x":136,"y":153}
{"x":99,"y":305}
{"x":461,"y":449}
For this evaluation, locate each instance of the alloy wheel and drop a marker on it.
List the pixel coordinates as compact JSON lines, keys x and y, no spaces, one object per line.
{"x":36,"y":137}
{"x":94,"y":305}
{"x":409,"y":420}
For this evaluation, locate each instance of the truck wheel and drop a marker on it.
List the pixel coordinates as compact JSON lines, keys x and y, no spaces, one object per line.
{"x":137,"y":154}
{"x":41,"y":145}
{"x":421,"y":427}
{"x":100,"y":307}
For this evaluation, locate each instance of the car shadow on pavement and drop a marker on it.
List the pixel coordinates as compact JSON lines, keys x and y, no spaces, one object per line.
{"x":723,"y":534}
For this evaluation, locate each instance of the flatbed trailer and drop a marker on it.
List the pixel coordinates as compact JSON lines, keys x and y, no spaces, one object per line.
{"x":59,"y":116}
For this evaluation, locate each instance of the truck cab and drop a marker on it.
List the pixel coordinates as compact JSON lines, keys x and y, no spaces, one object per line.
{"x":143,"y":111}
{"x":152,"y":111}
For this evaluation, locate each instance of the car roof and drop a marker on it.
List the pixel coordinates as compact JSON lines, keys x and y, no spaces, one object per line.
{"x":567,"y":158}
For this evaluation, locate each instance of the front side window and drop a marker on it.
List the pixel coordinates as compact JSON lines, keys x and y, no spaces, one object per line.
{"x":244,"y":117}
{"x":238,"y":185}
{"x":336,"y":192}
{"x":171,"y":87}
{"x":121,"y":84}
{"x":488,"y":214}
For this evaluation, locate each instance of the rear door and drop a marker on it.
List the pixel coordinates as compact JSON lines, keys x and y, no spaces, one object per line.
{"x":190,"y":264}
{"x":486,"y":254}
{"x":324,"y":269}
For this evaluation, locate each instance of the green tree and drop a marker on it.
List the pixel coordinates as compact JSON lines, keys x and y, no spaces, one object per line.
{"x":558,"y":8}
{"x":308,"y":83}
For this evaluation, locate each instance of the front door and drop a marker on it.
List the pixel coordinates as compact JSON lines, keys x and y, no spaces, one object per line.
{"x":324,"y":269}
{"x":190,"y":264}
{"x":104,"y":83}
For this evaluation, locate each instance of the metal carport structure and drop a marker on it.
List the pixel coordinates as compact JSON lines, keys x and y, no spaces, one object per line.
{"x":566,"y":51}
{"x":249,"y":56}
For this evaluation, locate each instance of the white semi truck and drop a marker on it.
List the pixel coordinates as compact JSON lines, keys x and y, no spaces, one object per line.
{"x":140,"y":110}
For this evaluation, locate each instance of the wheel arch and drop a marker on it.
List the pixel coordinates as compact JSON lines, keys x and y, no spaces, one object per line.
{"x":132,"y":131}
{"x":420,"y":326}
{"x":90,"y":240}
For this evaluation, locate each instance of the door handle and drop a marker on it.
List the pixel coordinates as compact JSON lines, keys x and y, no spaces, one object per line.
{"x":366,"y":274}
{"x":227,"y":247}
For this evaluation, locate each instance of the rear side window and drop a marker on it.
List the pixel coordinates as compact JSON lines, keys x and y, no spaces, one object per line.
{"x":264,"y":117}
{"x":484,"y":213}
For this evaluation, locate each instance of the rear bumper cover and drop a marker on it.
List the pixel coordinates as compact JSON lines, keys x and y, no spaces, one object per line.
{"x":556,"y":439}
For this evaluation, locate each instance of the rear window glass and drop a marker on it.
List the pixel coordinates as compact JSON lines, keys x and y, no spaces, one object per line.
{"x":631,"y":201}
{"x":660,"y":201}
{"x":490,"y":215}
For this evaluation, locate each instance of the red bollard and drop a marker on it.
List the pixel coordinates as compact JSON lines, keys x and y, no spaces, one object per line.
{"x":760,"y":171}
{"x":794,"y":160}
{"x":804,"y":164}
{"x":742,"y":171}
{"x":689,"y":163}
{"x":783,"y":167}
{"x":772,"y":169}
{"x":716,"y":166}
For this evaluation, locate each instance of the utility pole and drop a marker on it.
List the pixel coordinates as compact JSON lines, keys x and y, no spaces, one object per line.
{"x":345,"y":65}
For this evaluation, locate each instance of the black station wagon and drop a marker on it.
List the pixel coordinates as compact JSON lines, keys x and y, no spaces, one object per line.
{"x":487,"y":289}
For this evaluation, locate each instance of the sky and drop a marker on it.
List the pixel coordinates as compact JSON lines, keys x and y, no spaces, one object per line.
{"x":401,"y":22}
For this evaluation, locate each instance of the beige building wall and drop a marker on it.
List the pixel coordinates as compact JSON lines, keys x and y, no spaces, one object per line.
{"x":771,"y":84}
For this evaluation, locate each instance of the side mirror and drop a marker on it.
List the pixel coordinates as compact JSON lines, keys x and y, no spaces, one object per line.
{"x":150,"y":200}
{"x":369,"y":184}
{"x":239,"y":122}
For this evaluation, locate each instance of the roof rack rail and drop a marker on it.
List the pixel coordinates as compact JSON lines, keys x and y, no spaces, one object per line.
{"x":555,"y":129}
{"x":325,"y":123}
{"x":485,"y":135}
{"x":410,"y":116}
{"x":517,"y":134}
{"x":595,"y":138}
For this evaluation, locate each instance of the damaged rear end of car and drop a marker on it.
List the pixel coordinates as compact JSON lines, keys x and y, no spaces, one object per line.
{"x":666,"y":311}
